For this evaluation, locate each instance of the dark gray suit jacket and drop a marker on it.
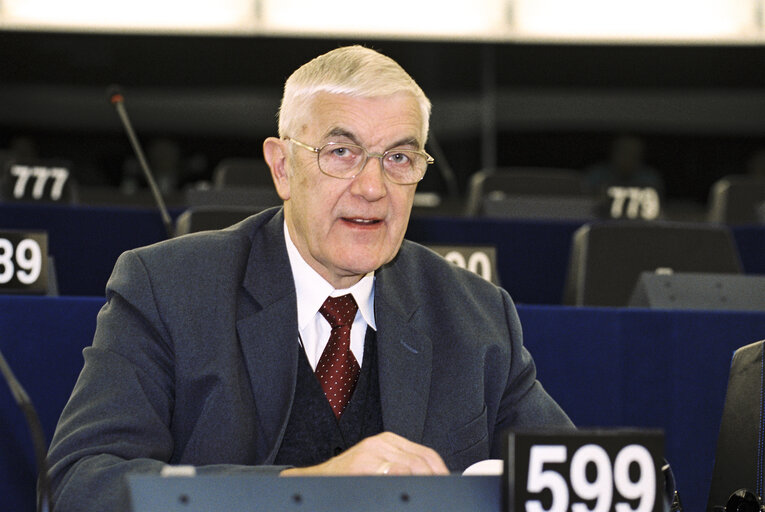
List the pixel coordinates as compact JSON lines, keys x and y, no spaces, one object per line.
{"x":195,"y":355}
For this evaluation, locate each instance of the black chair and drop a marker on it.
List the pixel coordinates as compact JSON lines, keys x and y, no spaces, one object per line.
{"x":740,"y":455}
{"x":250,"y":197}
{"x":204,"y":218}
{"x":242,"y":172}
{"x":607,"y":258}
{"x":491,"y":190}
{"x":238,"y":182}
{"x":97,"y":195}
{"x":734,"y":200}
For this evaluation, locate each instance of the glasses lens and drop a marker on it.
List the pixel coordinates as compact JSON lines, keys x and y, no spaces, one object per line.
{"x":403,"y":166}
{"x":340,"y":160}
{"x":344,"y":160}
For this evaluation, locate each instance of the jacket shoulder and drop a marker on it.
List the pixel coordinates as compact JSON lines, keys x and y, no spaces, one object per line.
{"x":200,"y":261}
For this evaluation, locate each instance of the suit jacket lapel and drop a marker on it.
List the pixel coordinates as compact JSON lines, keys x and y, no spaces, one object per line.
{"x":405,"y":357}
{"x":268,"y":333}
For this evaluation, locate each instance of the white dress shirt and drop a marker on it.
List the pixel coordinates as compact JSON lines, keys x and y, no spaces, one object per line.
{"x":312,"y":290}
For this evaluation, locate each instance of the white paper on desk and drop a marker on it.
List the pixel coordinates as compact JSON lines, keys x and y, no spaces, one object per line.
{"x":485,"y":467}
{"x":180,"y":470}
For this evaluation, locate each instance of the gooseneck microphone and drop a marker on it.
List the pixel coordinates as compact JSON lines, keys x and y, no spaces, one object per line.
{"x":22,"y":399}
{"x":116,"y":98}
{"x":744,"y":500}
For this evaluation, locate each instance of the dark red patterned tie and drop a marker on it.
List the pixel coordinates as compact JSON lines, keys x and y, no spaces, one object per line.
{"x":338,"y":369}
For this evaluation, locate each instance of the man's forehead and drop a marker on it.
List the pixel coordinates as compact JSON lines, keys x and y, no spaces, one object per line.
{"x":398,"y":139}
{"x":326,"y":119}
{"x":403,"y":101}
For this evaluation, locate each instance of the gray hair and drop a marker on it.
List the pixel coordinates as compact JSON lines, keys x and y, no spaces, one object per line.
{"x":352,"y":70}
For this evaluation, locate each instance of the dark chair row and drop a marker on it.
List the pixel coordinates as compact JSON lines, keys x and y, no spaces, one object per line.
{"x":507,"y":192}
{"x":511,"y":192}
{"x":561,"y":193}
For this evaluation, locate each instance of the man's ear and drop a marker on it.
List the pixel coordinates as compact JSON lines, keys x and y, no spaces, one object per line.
{"x":275,"y":153}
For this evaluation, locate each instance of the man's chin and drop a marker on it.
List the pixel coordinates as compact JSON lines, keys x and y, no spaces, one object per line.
{"x":361,"y":266}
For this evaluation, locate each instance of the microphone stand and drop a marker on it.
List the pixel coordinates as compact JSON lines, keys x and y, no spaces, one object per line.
{"x":44,"y":502}
{"x":117,"y":99}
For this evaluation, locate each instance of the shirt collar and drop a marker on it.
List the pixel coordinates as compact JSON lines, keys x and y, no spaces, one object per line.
{"x":312,"y":289}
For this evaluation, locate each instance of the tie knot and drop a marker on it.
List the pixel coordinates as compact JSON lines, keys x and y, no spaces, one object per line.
{"x":339,"y":311}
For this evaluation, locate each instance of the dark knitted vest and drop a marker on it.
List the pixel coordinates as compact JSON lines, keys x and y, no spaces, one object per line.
{"x":313,"y":433}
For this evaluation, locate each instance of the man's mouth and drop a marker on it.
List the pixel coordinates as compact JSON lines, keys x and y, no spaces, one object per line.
{"x":360,"y":221}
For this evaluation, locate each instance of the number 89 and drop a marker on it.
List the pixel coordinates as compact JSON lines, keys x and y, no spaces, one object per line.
{"x":28,"y":259}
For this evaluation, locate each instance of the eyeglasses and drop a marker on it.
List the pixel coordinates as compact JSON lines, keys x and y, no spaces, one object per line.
{"x":345,"y":161}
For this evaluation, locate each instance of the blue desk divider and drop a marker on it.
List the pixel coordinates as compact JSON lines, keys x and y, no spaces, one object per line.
{"x":532,"y":255}
{"x":208,"y":493}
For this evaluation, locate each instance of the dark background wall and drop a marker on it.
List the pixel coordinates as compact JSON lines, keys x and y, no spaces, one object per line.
{"x":700,"y":109}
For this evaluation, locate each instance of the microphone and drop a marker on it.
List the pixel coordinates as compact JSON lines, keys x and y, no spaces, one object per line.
{"x":116,"y":98}
{"x":741,"y":500}
{"x":44,"y":502}
{"x":744,"y":500}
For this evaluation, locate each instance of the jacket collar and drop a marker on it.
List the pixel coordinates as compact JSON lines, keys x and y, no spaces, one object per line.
{"x":268,"y":333}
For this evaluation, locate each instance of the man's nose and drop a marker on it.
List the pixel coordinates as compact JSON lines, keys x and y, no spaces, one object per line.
{"x":370,"y":182}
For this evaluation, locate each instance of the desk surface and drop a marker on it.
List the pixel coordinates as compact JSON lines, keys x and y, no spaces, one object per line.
{"x":606,"y":367}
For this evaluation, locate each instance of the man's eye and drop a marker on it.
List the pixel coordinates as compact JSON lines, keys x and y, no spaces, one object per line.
{"x":398,"y":158}
{"x":342,"y":152}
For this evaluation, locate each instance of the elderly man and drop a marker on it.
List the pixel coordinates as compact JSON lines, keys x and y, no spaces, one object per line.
{"x":308,"y":339}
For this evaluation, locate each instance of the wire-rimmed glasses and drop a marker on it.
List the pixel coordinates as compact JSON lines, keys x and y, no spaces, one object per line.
{"x":345,"y":161}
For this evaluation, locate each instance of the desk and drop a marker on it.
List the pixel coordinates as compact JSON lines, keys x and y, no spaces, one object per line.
{"x":85,"y":241}
{"x":532,"y":255}
{"x":606,"y":367}
{"x":42,"y":339}
{"x":451,"y":493}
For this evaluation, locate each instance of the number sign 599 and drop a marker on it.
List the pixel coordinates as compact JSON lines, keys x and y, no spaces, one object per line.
{"x":601,"y":488}
{"x":588,"y":472}
{"x":22,"y":261}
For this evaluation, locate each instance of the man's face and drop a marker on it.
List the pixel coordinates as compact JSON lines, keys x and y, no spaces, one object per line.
{"x":345,"y":228}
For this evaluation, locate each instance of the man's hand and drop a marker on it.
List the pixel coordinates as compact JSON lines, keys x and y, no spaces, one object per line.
{"x":383,"y":454}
